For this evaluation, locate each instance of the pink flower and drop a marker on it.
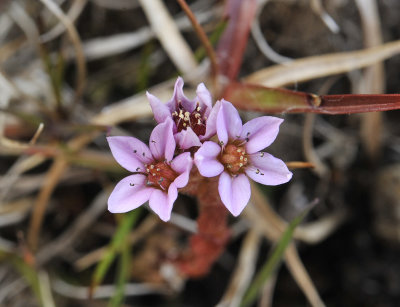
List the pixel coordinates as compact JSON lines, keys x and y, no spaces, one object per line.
{"x":238,"y":156}
{"x":155,"y":177}
{"x":194,"y":120}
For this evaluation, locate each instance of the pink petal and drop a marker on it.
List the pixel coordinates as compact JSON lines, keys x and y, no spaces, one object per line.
{"x":211,"y":123}
{"x":187,"y":139}
{"x":260,"y":132}
{"x":234,"y":192}
{"x":162,"y":143}
{"x":160,"y":110}
{"x":179,"y":97}
{"x":229,"y":124}
{"x":268,"y":170}
{"x":205,"y":99}
{"x":206,"y":159}
{"x":126,"y":197}
{"x":161,"y":202}
{"x":182,"y":164}
{"x":129,"y":152}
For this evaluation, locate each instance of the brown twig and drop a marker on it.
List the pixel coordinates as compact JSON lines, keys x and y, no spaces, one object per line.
{"x":202,"y":36}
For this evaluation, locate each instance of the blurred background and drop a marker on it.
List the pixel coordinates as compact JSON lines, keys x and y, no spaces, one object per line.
{"x":73,"y":71}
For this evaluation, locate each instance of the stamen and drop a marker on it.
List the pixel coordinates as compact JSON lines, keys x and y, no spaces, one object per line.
{"x":261,"y":154}
{"x":132,"y":184}
{"x":152,"y":166}
{"x":138,"y":169}
{"x":157,"y":169}
{"x":221,"y":143}
{"x":153,"y":141}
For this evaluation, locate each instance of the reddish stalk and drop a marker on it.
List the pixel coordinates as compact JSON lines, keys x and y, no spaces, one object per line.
{"x":202,"y":36}
{"x":207,"y":245}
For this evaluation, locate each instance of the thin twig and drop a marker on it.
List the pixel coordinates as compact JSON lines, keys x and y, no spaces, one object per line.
{"x":202,"y":36}
{"x":241,"y":278}
{"x":52,"y":178}
{"x":76,"y":41}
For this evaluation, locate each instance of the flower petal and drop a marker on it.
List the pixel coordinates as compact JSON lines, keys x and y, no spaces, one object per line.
{"x":234,"y":192}
{"x":126,"y":197}
{"x":162,"y":143}
{"x":229,"y":124}
{"x":179,"y":98}
{"x":187,"y":139}
{"x":261,"y":132}
{"x":206,"y":159}
{"x":268,"y":170}
{"x":205,"y":99}
{"x":211,"y":123}
{"x":182,"y":164}
{"x":160,"y":110}
{"x":161,"y":202}
{"x":129,"y":152}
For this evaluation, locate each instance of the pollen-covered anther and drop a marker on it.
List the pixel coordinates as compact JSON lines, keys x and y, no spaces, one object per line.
{"x":233,"y":158}
{"x":161,"y":175}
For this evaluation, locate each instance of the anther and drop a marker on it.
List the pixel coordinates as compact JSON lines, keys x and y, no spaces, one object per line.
{"x":132,"y":184}
{"x":261,"y":154}
{"x":240,"y":164}
{"x":152,"y":166}
{"x":134,"y":151}
{"x":157,"y":169}
{"x":221,"y":143}
{"x":137,"y":169}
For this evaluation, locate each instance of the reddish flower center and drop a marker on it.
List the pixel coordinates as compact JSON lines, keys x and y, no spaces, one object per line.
{"x":195,"y":120}
{"x":160,"y":175}
{"x":234,"y":158}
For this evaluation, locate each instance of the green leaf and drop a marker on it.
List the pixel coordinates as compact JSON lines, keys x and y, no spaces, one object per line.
{"x":122,"y":276}
{"x":116,"y":246}
{"x":273,"y":261}
{"x":28,"y":272}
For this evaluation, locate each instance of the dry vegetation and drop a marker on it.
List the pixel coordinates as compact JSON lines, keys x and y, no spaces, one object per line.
{"x":73,"y":71}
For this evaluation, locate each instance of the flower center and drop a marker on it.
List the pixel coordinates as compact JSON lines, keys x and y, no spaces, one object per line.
{"x":160,"y":175}
{"x":234,"y":159}
{"x":184,"y":119}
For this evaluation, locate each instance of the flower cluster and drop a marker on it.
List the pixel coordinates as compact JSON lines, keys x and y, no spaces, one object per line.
{"x":185,"y":136}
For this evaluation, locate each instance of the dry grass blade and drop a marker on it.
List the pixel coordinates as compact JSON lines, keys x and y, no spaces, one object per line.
{"x":104,"y":291}
{"x":308,"y":148}
{"x":83,"y":222}
{"x":76,"y":41}
{"x":373,"y":81}
{"x":323,"y":65}
{"x":272,"y":226}
{"x":260,"y":40}
{"x":53,"y":176}
{"x":140,"y":232}
{"x":101,"y":47}
{"x":301,"y":276}
{"x":167,"y":32}
{"x":317,"y":7}
{"x":73,"y":13}
{"x":244,"y":271}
